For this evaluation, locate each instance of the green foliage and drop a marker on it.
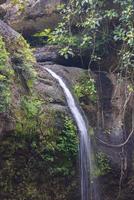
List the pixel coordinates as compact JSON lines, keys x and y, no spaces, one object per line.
{"x":5,"y":78}
{"x":23,"y":62}
{"x":30,"y":157}
{"x":44,"y":33}
{"x":130,"y":88}
{"x":68,"y":140}
{"x":3,"y":55}
{"x":102,"y":164}
{"x":99,"y":27}
{"x":66,"y":52}
{"x":56,"y":147}
{"x":31,"y":106}
{"x":26,"y":56}
{"x":111,"y":14}
{"x":86,"y":88}
{"x":58,"y":37}
{"x":65,"y":146}
{"x":29,"y":114}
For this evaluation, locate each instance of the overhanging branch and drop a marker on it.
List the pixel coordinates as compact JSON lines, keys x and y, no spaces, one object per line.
{"x":118,"y":145}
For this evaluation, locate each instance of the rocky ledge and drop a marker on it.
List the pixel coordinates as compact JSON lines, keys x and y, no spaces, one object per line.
{"x":37,"y":15}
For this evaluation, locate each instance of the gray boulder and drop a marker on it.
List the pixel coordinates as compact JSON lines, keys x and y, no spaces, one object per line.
{"x":37,"y":15}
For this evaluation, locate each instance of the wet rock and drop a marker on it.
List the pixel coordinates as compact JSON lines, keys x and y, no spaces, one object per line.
{"x":50,"y":89}
{"x":46,"y":54}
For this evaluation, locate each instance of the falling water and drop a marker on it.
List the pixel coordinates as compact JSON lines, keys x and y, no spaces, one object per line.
{"x":85,"y":150}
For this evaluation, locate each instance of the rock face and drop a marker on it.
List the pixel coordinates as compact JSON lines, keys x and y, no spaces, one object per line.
{"x":47,"y":57}
{"x":37,"y":15}
{"x":51,"y":89}
{"x":46,"y":54}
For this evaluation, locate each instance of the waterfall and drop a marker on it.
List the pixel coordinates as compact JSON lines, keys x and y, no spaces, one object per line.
{"x":85,"y":147}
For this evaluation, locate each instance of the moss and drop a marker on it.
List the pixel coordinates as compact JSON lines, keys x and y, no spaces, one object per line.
{"x":24,"y":58}
{"x":102,"y":164}
{"x":23,"y":61}
{"x":39,"y":163}
{"x":85,"y":88}
{"x":29,"y":116}
{"x":6,"y":74}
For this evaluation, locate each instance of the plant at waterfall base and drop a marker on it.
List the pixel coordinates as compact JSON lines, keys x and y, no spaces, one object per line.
{"x":37,"y":151}
{"x":86,"y":88}
{"x":50,"y":143}
{"x":102,"y":164}
{"x":66,"y":147}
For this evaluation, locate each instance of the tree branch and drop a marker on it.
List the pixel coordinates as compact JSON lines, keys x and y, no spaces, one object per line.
{"x":118,"y":145}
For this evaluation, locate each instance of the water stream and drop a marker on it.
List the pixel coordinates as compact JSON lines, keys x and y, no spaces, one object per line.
{"x":85,"y":147}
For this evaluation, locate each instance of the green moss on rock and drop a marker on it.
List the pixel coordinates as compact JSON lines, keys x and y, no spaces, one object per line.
{"x":29,"y":160}
{"x":85,"y":88}
{"x":24,"y":61}
{"x":6,"y":74}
